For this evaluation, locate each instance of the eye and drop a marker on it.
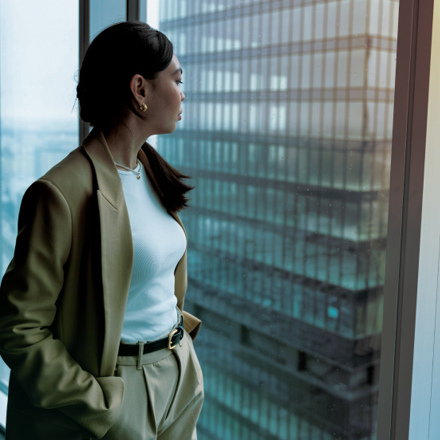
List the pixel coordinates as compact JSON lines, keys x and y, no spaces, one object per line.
{"x":178,"y":82}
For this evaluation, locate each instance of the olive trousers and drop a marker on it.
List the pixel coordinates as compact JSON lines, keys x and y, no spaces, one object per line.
{"x":163,"y":395}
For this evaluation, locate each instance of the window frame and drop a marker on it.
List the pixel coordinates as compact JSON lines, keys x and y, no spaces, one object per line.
{"x":404,"y":219}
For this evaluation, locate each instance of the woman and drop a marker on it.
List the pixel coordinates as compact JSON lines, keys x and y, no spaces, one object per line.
{"x":91,"y":306}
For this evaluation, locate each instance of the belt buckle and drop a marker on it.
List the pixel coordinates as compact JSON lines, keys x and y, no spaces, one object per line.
{"x":170,"y":337}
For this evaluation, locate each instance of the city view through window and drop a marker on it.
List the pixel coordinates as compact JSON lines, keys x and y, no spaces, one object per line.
{"x":286,"y":132}
{"x":38,"y":118}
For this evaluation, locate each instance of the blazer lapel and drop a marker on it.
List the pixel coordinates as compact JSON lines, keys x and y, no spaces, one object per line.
{"x":116,"y":245}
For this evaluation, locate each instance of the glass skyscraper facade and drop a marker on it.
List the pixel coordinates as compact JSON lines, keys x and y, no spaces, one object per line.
{"x":286,"y":132}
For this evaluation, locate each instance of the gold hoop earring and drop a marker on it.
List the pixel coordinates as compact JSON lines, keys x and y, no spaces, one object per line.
{"x":143,"y":107}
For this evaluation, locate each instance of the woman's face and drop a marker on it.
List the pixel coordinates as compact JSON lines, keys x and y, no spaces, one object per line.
{"x":164,"y":99}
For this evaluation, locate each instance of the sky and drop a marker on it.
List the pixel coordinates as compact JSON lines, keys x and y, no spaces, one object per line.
{"x":153,"y":13}
{"x":39,"y":58}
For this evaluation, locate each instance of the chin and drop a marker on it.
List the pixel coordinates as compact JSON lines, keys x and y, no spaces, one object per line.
{"x":173,"y":128}
{"x":167,"y":130}
{"x":166,"y":126}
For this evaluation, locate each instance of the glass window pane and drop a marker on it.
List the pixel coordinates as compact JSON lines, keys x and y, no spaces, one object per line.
{"x":286,"y":131}
{"x":103,"y":13}
{"x":39,"y":121}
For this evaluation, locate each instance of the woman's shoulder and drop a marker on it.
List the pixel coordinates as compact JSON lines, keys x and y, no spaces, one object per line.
{"x":72,"y":176}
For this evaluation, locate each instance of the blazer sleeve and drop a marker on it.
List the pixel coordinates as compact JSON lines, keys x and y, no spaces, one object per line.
{"x":28,"y":296}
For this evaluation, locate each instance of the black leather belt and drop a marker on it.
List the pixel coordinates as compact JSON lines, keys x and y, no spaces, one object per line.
{"x":175,"y":336}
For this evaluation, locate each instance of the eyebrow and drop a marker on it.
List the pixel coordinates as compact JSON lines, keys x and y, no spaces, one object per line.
{"x":178,"y":70}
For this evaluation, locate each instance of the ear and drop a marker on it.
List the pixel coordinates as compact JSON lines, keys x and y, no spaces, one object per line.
{"x":138,"y":87}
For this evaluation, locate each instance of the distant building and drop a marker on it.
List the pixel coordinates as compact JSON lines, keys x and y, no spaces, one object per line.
{"x":286,"y":131}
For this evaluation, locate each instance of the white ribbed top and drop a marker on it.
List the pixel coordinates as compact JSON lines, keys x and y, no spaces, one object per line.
{"x":158,"y":244}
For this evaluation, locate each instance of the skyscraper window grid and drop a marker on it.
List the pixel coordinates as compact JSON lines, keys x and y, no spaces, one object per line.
{"x":293,"y":225}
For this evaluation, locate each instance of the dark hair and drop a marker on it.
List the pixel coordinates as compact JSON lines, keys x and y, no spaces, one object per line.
{"x":168,"y":181}
{"x":117,"y":54}
{"x":114,"y":56}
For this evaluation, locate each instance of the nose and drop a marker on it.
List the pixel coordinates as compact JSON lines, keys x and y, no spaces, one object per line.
{"x":182,"y":97}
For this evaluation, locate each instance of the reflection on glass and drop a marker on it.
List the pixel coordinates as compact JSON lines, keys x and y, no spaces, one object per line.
{"x":286,"y":131}
{"x":39,"y":123}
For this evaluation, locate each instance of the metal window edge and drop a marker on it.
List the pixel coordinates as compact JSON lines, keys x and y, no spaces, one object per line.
{"x":406,"y":192}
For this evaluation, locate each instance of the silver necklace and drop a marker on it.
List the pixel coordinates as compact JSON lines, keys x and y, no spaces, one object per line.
{"x":134,"y":171}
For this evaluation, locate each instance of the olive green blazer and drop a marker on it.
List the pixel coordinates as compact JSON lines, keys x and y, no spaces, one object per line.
{"x":63,"y":297}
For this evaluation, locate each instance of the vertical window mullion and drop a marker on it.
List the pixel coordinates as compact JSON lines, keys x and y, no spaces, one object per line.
{"x":133,"y":10}
{"x":84,"y":38}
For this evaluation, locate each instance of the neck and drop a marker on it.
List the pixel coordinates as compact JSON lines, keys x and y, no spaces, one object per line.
{"x":124,"y":143}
